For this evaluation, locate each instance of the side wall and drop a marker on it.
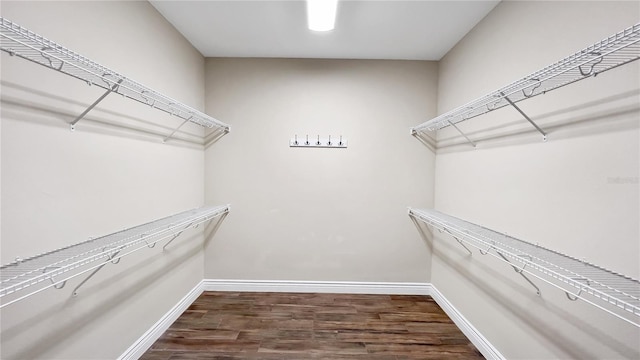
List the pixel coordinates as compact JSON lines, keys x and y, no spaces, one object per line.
{"x":577,"y":193}
{"x":61,"y":187}
{"x":319,"y":214}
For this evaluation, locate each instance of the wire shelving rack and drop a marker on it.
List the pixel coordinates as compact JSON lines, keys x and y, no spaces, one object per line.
{"x":616,"y":50}
{"x":18,"y":41}
{"x":614,"y":293}
{"x":25,"y":277}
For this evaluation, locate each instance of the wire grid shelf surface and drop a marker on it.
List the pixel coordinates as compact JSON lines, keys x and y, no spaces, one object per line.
{"x":61,"y":264}
{"x":26,"y":44}
{"x":614,"y":51}
{"x":615,"y":289}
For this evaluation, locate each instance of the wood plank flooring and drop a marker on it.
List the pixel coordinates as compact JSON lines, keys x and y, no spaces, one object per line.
{"x":238,"y":326}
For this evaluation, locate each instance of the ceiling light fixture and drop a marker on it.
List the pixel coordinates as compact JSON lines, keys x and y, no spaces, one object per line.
{"x":321,"y":14}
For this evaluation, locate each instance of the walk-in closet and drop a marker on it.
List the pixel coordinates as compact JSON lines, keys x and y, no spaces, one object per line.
{"x":320,"y":179}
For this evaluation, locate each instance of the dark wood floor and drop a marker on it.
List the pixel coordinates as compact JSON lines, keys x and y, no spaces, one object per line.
{"x":312,"y":326}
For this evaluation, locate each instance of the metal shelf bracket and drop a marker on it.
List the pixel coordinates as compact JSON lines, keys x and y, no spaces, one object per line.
{"x":544,"y":135}
{"x":577,"y":296}
{"x":175,"y":130}
{"x":112,"y":89}
{"x":59,"y":285}
{"x":459,"y":242}
{"x":110,"y":258}
{"x":592,"y":66}
{"x":520,"y":272}
{"x":531,"y":92}
{"x":485,"y":252}
{"x":176,"y":235}
{"x":149,"y":245}
{"x":48,"y":58}
{"x":463,"y":134}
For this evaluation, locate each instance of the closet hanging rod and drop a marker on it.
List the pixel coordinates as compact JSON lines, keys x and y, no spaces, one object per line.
{"x":25,"y":277}
{"x":18,"y":41}
{"x":611,"y":292}
{"x":616,"y":50}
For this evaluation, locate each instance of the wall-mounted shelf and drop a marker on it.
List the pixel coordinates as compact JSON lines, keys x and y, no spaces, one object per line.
{"x":614,"y":293}
{"x":18,"y":41}
{"x":25,"y":277}
{"x":614,"y":51}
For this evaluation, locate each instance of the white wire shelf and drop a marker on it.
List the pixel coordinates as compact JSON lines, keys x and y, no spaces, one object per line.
{"x":614,"y":293}
{"x":25,"y":277}
{"x":616,"y":50}
{"x":18,"y":41}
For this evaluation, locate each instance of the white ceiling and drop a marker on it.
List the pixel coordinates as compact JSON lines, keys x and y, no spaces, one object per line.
{"x":365,"y":29}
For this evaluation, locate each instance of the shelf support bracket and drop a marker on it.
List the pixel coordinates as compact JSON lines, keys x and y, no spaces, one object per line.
{"x":459,"y":242}
{"x":460,"y":131}
{"x":486,"y":251}
{"x":55,"y":285}
{"x":544,"y":135}
{"x":175,"y":130}
{"x":520,"y":271}
{"x":109,"y":91}
{"x":576,"y":296}
{"x":150,"y":246}
{"x":110,"y":258}
{"x":175,"y":236}
{"x":447,"y":231}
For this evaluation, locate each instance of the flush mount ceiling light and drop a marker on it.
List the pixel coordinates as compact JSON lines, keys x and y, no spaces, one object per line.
{"x":321,"y":14}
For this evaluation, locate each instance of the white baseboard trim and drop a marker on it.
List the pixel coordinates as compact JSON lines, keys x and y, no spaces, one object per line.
{"x":335,"y":287}
{"x":136,"y":350}
{"x":480,"y":342}
{"x":147,"y":339}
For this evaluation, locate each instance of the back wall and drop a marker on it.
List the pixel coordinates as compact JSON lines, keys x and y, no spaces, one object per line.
{"x":319,"y":214}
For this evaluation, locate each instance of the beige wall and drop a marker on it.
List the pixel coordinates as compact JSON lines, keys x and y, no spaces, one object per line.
{"x":559,"y":194}
{"x":319,"y":214}
{"x":113,"y":172}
